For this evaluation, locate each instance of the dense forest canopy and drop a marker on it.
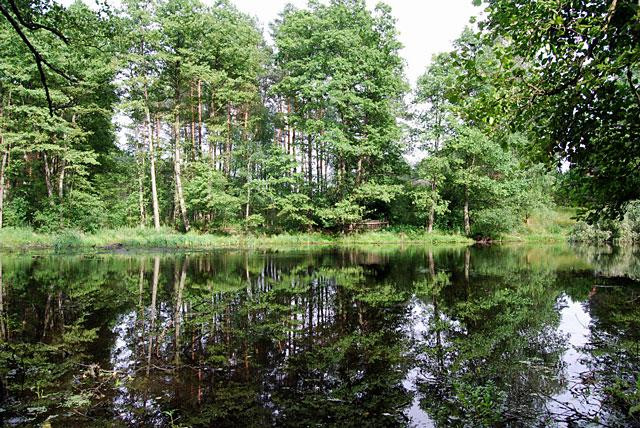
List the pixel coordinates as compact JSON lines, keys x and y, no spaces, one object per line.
{"x":225,"y":131}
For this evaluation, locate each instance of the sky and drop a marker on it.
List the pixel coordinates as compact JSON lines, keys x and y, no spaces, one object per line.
{"x":426,"y":27}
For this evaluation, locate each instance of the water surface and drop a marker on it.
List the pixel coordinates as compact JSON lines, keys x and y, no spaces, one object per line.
{"x":493,"y":336}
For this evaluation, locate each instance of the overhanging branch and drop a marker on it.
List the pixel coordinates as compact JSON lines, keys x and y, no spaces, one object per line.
{"x":40,"y":60}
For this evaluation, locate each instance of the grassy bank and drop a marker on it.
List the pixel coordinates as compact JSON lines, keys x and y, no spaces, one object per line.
{"x":12,"y":239}
{"x":545,"y":226}
{"x":548,"y":226}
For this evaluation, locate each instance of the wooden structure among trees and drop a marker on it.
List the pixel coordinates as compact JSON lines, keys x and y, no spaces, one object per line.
{"x":367,"y":225}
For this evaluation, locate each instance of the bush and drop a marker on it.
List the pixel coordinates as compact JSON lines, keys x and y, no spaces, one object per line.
{"x":206,"y":193}
{"x":493,"y":222}
{"x":341,"y":214}
{"x":16,"y":212}
{"x":253,"y":222}
{"x":67,"y":239}
{"x":584,"y":232}
{"x":630,"y":225}
{"x":78,"y":210}
{"x":295,"y":211}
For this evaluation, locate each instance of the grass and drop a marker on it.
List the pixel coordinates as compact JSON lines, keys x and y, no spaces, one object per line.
{"x":18,"y":239}
{"x":545,"y":226}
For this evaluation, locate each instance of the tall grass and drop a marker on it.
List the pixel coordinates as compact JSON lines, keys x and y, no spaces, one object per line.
{"x":26,"y":239}
{"x":546,"y":226}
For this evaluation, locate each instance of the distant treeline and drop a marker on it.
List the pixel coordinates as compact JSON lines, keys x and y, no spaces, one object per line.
{"x":226,"y":132}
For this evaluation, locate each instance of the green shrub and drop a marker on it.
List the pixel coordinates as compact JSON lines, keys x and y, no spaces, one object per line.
{"x":584,"y":232}
{"x":77,"y":210}
{"x":206,"y":192}
{"x":16,"y":211}
{"x":493,"y":222}
{"x":342,"y":213}
{"x":67,"y":239}
{"x":253,"y":222}
{"x":630,"y":225}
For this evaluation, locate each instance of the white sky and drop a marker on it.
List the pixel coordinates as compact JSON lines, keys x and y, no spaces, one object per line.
{"x":426,"y":27}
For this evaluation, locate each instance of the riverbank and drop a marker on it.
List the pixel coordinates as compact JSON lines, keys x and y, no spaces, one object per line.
{"x":13,"y":239}
{"x":545,"y":226}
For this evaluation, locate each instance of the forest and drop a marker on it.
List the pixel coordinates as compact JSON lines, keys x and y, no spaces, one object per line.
{"x":180,"y":115}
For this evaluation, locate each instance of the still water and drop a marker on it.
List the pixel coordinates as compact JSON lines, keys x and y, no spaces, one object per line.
{"x":493,"y":336}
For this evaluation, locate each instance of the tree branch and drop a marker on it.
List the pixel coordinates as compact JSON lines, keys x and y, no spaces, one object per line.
{"x":34,"y":25}
{"x":612,"y":11}
{"x":40,"y":61}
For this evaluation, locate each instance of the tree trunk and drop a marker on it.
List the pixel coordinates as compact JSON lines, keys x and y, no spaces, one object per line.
{"x":152,"y":167}
{"x":432,"y":215}
{"x":140,"y":167}
{"x":47,"y":178}
{"x":432,"y":211}
{"x":293,"y":150}
{"x":200,"y":114}
{"x":143,"y":218}
{"x":63,"y":167}
{"x":213,"y":144}
{"x":178,"y":172}
{"x":291,"y":138}
{"x":152,"y":159}
{"x":325,"y":164}
{"x":227,"y":146}
{"x":247,"y":208}
{"x":3,"y":329}
{"x":318,"y":166}
{"x":289,"y":128}
{"x":467,"y":225}
{"x":193,"y":126}
{"x":249,"y":172}
{"x":310,"y":162}
{"x":3,"y":165}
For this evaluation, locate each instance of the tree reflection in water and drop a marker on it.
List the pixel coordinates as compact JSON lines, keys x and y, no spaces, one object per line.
{"x":385,"y":337}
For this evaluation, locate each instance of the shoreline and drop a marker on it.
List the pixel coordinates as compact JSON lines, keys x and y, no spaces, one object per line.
{"x":25,"y":240}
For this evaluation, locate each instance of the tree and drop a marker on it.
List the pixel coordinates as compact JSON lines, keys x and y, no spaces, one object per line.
{"x":41,"y":15}
{"x":139,"y":75}
{"x":426,"y":195}
{"x":582,"y":89}
{"x":477,"y":166}
{"x":56,"y":153}
{"x":339,"y":93}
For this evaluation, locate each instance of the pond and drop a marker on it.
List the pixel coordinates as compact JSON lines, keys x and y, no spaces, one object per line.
{"x":479,"y":336}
